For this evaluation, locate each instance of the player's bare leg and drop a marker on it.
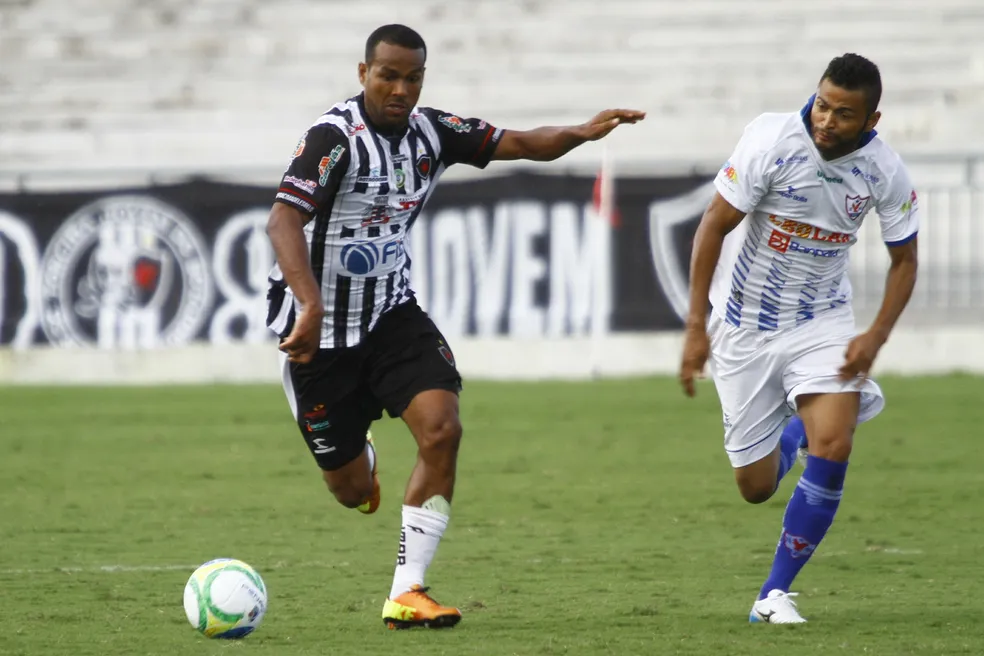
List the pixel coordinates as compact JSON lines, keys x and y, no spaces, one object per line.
{"x":830,"y":420}
{"x":758,"y":481}
{"x":433,"y":419}
{"x":355,"y":484}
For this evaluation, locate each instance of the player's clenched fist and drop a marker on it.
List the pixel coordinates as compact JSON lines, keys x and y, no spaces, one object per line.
{"x":696,"y":348}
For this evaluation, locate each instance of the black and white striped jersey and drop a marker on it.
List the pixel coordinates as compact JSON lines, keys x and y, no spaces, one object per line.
{"x":363,"y":190}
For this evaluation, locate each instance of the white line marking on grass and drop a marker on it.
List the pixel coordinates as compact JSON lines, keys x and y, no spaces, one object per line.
{"x":118,"y":569}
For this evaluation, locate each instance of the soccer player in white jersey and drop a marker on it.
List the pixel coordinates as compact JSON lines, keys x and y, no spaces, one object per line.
{"x":770,"y":303}
{"x":353,"y":339}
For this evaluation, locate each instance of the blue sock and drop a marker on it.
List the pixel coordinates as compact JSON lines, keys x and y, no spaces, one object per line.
{"x":808,"y":516}
{"x":793,"y":436}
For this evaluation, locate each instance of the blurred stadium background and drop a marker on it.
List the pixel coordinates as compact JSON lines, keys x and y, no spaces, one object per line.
{"x":140,"y":145}
{"x":196,"y":106}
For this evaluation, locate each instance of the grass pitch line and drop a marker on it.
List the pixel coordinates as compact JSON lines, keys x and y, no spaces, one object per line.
{"x":118,"y":569}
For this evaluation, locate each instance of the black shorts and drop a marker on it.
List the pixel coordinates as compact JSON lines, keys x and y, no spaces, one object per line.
{"x":337,"y":395}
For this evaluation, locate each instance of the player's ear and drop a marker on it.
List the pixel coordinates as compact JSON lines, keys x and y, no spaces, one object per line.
{"x":872,"y":122}
{"x":363,"y":71}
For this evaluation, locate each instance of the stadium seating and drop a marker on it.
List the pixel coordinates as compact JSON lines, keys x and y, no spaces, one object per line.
{"x":180,"y":84}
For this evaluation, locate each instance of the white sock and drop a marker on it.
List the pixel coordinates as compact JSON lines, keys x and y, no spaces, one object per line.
{"x":419,"y":537}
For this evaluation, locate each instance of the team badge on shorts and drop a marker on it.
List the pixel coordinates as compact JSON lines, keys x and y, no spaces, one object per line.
{"x":856,"y":206}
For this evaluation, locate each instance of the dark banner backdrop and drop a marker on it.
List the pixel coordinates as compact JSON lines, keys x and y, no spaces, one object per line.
{"x":516,"y":255}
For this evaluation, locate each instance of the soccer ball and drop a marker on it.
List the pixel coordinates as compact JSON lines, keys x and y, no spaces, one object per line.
{"x":225,"y":598}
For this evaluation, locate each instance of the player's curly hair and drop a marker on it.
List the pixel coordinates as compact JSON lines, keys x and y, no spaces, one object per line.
{"x":854,"y":72}
{"x":395,"y":35}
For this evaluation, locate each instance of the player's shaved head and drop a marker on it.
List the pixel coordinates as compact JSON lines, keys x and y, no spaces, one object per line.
{"x":855,"y":73}
{"x":395,"y":35}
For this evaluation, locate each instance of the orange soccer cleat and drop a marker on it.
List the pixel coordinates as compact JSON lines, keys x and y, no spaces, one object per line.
{"x":416,"y":608}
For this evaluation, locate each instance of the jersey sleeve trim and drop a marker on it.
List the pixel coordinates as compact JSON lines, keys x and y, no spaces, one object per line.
{"x":485,"y":152}
{"x":903,"y":241}
{"x":292,"y":199}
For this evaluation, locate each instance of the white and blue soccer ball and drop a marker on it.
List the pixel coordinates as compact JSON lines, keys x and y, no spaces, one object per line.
{"x":225,"y":598}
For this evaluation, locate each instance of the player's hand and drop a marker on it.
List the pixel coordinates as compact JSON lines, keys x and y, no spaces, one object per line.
{"x":860,"y":355}
{"x":696,"y":349}
{"x":608,"y":120}
{"x":305,"y":339}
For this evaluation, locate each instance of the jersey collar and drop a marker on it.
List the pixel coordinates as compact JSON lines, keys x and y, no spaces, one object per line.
{"x":387,"y":134}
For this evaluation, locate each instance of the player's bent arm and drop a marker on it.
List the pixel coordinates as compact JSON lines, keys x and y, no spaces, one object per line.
{"x":286,"y":230}
{"x":539,"y":145}
{"x":719,"y":219}
{"x":898,"y":287}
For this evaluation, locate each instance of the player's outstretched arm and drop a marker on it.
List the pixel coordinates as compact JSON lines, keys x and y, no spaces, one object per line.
{"x":863,"y":349}
{"x":548,"y":143}
{"x":286,"y":230}
{"x":719,"y":219}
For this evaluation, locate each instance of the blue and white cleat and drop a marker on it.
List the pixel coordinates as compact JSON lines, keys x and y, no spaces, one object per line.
{"x":777,"y":608}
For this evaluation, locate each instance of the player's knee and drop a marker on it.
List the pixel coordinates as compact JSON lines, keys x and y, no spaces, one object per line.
{"x":757,"y":493}
{"x":349,"y":493}
{"x":442,"y":436}
{"x":834,"y":447}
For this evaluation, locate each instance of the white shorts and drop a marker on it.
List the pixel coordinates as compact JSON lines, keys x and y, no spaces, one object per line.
{"x":759,"y":375}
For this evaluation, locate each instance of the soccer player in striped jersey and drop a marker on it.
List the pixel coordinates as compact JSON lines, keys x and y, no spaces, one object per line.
{"x":770,"y":303}
{"x":354,"y":341}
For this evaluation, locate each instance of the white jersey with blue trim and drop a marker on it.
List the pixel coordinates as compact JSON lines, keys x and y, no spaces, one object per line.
{"x":787,"y":261}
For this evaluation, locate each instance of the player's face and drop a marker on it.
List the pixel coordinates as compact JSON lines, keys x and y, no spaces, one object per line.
{"x":392,"y":82}
{"x":839,"y":118}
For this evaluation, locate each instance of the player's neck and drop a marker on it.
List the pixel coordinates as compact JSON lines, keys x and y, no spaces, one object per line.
{"x":376,"y":125}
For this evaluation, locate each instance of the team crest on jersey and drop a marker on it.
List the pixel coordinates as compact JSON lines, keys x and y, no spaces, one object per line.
{"x":446,"y":353}
{"x":328,"y":163}
{"x":455,"y":123}
{"x":424,"y":166}
{"x":856,"y":206}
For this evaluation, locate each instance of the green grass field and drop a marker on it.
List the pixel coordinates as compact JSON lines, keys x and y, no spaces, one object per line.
{"x":594,"y":518}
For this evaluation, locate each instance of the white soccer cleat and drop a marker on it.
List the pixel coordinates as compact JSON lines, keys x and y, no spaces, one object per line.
{"x":777,"y":608}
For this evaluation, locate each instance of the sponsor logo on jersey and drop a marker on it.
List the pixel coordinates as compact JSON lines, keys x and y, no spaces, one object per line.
{"x":792,"y":160}
{"x":730,"y":173}
{"x":867,"y":177}
{"x":304,"y":185}
{"x":455,"y":123}
{"x":827,"y":178}
{"x":806,"y":231}
{"x":328,"y":163}
{"x":791,"y":194}
{"x":910,"y":204}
